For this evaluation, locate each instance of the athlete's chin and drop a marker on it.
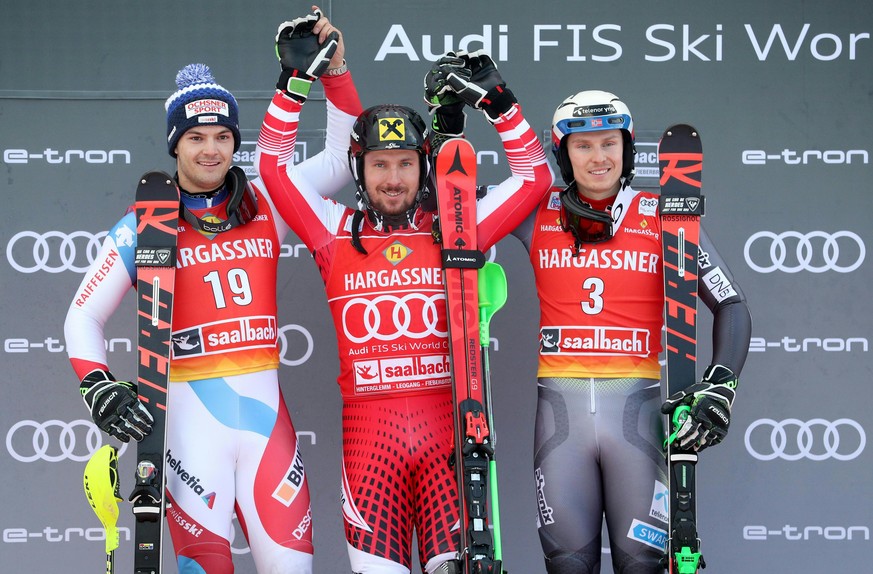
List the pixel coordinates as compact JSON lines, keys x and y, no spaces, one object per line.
{"x":393,"y":209}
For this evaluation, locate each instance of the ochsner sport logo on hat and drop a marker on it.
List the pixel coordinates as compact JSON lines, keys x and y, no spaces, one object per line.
{"x":199,"y":100}
{"x":206,"y":107}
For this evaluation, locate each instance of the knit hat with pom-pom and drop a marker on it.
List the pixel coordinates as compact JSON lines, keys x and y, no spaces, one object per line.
{"x":199,"y":101}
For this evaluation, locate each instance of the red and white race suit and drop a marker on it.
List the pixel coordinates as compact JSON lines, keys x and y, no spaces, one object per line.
{"x":389,"y":312}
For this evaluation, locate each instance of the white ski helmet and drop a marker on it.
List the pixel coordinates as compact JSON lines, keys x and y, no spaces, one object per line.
{"x":591,"y":111}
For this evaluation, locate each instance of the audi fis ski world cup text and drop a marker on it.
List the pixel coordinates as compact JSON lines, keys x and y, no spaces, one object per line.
{"x":665,"y":42}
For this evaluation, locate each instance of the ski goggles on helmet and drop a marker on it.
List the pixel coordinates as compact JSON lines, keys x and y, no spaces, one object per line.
{"x":585,"y":224}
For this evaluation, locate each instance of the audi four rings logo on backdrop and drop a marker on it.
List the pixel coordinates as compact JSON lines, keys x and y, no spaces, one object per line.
{"x":55,"y":440}
{"x":284,"y":346}
{"x":53,"y":251}
{"x":815,"y":439}
{"x":815,"y":251}
{"x":363,"y":317}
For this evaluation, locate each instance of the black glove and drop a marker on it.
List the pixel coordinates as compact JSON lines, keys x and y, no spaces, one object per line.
{"x":707,"y":405}
{"x":115,"y":407}
{"x":444,"y":105}
{"x":484,"y":89}
{"x":302,"y":58}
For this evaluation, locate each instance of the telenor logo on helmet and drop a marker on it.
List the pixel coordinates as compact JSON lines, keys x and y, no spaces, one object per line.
{"x":601,"y":110}
{"x":198,"y":107}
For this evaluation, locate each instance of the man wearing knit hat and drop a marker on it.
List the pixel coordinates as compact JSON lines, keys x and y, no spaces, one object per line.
{"x":231,"y":446}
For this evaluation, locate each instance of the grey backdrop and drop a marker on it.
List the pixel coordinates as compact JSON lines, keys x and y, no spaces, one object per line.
{"x":780,"y":91}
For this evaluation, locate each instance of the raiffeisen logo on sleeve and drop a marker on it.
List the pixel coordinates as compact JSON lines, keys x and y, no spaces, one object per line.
{"x":225,"y":336}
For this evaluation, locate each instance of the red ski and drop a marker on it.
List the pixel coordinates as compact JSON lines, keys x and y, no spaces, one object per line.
{"x":157,"y":214}
{"x":680,"y":155}
{"x":456,"y":199}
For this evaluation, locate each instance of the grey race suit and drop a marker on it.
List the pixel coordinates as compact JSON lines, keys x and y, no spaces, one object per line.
{"x":597,"y":448}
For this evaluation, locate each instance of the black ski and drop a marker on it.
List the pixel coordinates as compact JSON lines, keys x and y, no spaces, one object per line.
{"x":157,"y":214}
{"x":680,"y":158}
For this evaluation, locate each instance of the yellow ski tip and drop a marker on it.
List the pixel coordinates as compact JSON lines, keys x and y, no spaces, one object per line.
{"x":101,"y":489}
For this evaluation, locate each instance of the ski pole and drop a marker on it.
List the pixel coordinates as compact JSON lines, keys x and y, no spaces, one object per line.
{"x":101,"y":489}
{"x":492,"y":297}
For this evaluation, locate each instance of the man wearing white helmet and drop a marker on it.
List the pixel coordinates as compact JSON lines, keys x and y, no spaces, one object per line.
{"x":595,"y":247}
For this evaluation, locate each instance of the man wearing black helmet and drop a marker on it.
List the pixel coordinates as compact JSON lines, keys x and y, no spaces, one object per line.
{"x":230,"y":443}
{"x":383,"y":278}
{"x":595,"y":247}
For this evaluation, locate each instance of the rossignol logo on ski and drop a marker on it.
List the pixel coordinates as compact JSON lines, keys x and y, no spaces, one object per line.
{"x":688,"y":173}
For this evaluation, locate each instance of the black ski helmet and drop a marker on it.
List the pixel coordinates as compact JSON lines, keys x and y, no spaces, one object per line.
{"x":591,"y":111}
{"x":388,"y":127}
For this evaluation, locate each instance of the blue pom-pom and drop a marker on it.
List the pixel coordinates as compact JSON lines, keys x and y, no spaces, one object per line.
{"x":194,"y":74}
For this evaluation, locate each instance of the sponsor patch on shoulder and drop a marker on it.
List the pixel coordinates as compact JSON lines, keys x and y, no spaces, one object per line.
{"x":718,"y":284}
{"x":648,"y":206}
{"x":554,"y":200}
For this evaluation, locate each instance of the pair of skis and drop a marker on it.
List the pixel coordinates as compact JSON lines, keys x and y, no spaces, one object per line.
{"x":680,"y":159}
{"x":475,"y":290}
{"x":157,"y":213}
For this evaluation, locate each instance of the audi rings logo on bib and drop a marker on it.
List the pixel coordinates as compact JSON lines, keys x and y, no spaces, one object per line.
{"x":391,"y":317}
{"x":55,"y":440}
{"x":53,"y":251}
{"x":815,"y":439}
{"x":815,"y":251}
